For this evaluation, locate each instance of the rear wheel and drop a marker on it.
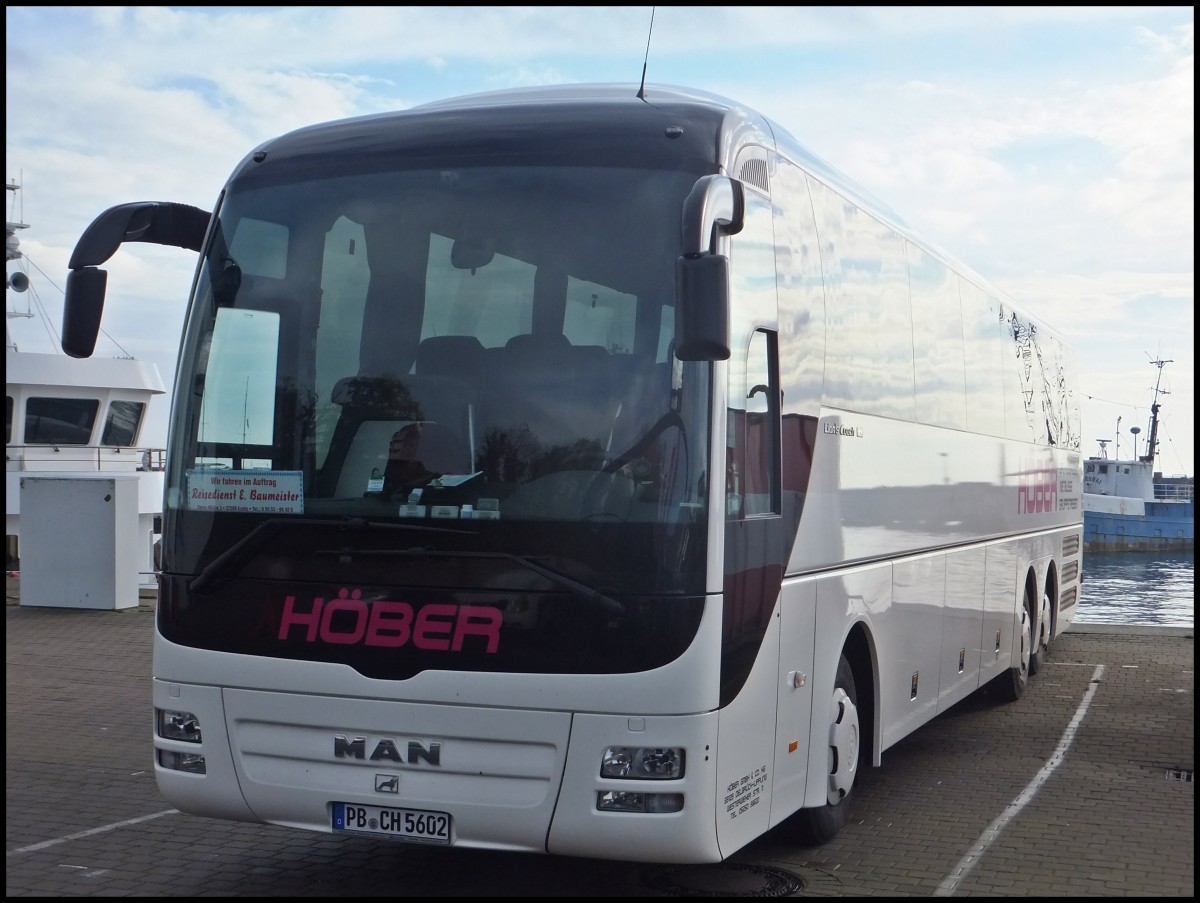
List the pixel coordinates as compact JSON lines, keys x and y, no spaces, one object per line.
{"x":821,"y":824}
{"x":1041,"y":647}
{"x":1012,"y":683}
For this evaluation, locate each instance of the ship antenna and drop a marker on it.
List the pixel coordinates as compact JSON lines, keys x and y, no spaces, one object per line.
{"x":1152,"y":445}
{"x":642,"y":90}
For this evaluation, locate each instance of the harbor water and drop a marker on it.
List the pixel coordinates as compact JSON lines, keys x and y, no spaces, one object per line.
{"x":1143,"y":588}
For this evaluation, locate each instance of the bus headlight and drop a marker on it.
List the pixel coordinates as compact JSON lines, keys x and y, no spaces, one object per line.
{"x":640,"y":763}
{"x":649,"y":763}
{"x":183,"y":727}
{"x":178,"y":726}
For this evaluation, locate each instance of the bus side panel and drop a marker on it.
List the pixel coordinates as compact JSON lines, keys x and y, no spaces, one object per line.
{"x":999,"y":610}
{"x":910,"y":640}
{"x":798,"y":615}
{"x":746,"y":738}
{"x":962,"y":628}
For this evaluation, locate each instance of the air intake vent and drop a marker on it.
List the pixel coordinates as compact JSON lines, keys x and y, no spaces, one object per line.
{"x":1070,"y":571}
{"x":1070,"y":544}
{"x":754,"y":172}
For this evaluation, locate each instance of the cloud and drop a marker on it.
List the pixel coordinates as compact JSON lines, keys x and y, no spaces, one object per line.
{"x":1050,"y":148}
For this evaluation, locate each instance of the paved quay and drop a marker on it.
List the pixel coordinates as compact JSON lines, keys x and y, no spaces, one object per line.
{"x":1081,"y":788}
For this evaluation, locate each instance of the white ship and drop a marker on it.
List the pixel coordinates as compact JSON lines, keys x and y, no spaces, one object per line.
{"x":68,"y":417}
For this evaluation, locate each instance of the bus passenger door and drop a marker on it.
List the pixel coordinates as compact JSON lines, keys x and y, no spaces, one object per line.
{"x":755,"y":551}
{"x":755,"y":545}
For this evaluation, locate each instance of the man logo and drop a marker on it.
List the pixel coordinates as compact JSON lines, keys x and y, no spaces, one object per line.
{"x":387,"y":783}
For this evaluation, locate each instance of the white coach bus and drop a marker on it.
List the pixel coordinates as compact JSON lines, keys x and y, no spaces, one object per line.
{"x":575,"y":472}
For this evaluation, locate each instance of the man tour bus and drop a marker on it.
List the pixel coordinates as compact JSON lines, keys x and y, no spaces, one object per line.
{"x":726,"y":480}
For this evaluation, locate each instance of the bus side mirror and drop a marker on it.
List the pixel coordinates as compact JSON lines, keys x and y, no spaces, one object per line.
{"x":82,"y":309}
{"x":702,"y":308}
{"x":715,"y":209}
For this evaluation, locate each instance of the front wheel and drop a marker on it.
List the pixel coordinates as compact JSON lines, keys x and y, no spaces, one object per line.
{"x":821,"y":824}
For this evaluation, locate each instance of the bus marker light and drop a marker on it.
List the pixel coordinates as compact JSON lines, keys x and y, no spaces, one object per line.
{"x":177,"y":761}
{"x":625,"y":801}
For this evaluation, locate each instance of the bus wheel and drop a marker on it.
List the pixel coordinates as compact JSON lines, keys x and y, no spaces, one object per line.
{"x":1041,"y":648}
{"x":821,"y":824}
{"x":1012,"y":683}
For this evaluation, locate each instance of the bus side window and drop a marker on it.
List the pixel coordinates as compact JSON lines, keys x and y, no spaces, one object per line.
{"x":751,"y":482}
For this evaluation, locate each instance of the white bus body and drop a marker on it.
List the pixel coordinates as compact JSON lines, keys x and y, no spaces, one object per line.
{"x":571,"y":635}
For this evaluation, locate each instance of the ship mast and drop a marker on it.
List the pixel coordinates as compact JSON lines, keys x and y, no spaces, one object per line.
{"x":17,"y":281}
{"x":1152,"y":439}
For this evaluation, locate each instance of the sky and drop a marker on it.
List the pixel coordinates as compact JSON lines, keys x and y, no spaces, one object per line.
{"x":1049,"y":148}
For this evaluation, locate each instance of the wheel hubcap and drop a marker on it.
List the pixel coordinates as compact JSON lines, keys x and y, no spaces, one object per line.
{"x":1044,"y":625}
{"x":843,"y":746}
{"x":1026,"y":641}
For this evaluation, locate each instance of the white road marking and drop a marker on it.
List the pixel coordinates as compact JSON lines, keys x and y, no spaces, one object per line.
{"x":33,"y":848}
{"x":969,"y":861}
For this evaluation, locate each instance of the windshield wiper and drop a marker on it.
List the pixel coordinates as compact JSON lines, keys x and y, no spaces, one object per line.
{"x":590,"y":594}
{"x":245,"y":548}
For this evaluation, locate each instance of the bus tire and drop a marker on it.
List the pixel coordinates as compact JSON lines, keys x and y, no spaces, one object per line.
{"x":1015,"y":680}
{"x":821,"y":824}
{"x":1041,"y":646}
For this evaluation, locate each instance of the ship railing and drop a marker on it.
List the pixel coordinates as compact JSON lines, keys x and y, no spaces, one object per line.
{"x":1174,"y":492}
{"x":84,"y":458}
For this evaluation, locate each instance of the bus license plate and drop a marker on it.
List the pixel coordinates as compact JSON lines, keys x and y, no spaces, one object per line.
{"x":417,"y":825}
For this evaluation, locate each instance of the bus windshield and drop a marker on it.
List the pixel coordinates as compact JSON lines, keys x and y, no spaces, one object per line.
{"x":483,"y":352}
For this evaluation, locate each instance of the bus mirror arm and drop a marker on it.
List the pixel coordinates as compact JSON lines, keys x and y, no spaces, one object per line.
{"x":156,"y":222}
{"x":715,"y":208}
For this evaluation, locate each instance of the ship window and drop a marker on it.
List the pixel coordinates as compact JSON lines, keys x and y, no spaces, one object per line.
{"x":60,"y":421}
{"x":124,"y":418}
